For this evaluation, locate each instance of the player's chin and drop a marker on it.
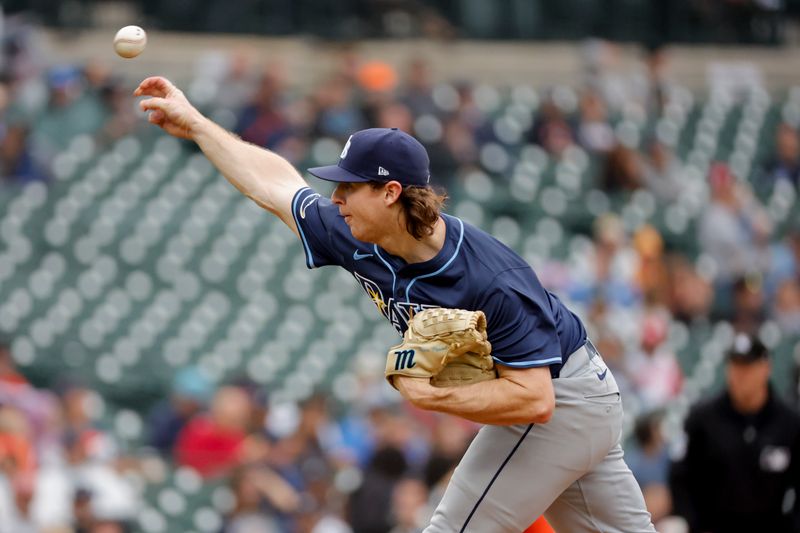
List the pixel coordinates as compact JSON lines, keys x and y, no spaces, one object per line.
{"x":357,"y":231}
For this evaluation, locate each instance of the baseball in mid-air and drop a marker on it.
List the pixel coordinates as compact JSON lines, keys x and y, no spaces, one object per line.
{"x":130,"y":41}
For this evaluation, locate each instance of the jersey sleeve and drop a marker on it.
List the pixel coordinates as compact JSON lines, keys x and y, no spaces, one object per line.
{"x":324,"y":234}
{"x":520,"y":323}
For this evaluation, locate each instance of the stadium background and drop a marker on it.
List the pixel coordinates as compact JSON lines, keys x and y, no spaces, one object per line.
{"x":170,"y":365}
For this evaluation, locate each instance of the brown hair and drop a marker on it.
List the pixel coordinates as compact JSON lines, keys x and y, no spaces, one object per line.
{"x":421,"y":206}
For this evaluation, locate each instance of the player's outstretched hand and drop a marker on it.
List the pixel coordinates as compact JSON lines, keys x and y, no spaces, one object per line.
{"x":168,"y":107}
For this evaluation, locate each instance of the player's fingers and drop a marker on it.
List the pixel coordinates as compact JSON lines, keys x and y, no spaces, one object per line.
{"x":154,"y":86}
{"x":152,"y":104}
{"x":157,"y":117}
{"x":148,"y":86}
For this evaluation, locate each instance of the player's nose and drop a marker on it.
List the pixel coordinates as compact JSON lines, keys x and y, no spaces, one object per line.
{"x":337,"y":197}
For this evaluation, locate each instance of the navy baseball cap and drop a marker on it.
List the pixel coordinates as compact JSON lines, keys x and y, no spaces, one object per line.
{"x":747,"y":349}
{"x":379,"y":154}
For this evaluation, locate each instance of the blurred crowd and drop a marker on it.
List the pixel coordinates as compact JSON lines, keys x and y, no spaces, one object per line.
{"x":378,"y":465}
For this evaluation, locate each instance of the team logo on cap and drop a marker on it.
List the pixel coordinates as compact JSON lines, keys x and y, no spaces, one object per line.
{"x":346,"y":148}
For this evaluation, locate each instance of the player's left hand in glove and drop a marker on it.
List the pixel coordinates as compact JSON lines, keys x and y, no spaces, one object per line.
{"x":449,"y":346}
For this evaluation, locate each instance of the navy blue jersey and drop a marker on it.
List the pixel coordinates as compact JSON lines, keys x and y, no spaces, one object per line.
{"x":527,"y":325}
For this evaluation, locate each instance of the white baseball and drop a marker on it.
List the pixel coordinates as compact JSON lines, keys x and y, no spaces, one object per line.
{"x":130,"y":41}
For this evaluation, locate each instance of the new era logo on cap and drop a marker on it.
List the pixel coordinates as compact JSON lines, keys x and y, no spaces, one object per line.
{"x":368,"y":154}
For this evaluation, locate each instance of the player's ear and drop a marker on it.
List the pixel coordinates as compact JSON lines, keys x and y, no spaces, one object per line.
{"x":392,"y":191}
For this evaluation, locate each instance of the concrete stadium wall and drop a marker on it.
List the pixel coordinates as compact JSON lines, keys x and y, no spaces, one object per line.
{"x":538,"y":64}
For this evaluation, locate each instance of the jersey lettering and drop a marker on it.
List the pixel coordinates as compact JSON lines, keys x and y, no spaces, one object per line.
{"x":397,"y":313}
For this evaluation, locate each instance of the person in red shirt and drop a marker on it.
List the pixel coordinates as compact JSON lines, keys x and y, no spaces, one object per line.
{"x":211,"y":442}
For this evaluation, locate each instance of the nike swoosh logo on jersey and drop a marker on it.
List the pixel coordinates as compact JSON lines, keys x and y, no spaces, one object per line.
{"x":602,"y":375}
{"x":358,"y":257}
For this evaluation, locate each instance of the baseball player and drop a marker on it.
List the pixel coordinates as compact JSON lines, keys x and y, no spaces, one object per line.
{"x":551,"y":443}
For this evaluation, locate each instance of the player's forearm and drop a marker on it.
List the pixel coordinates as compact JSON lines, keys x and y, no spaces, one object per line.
{"x":265,"y":177}
{"x":497,"y":402}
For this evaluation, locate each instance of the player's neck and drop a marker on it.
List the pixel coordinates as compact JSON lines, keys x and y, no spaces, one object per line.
{"x":403,"y":244}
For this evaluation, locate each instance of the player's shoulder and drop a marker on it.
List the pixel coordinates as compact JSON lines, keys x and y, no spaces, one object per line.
{"x":309,"y":206}
{"x":304,"y":198}
{"x":483,"y":249}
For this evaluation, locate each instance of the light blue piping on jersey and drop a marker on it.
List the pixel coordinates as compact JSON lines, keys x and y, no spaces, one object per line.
{"x":394,"y":277}
{"x":455,"y":254}
{"x":309,"y":257}
{"x":529,"y":364}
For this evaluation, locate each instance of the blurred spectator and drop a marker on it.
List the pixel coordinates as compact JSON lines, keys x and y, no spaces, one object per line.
{"x":742,"y":453}
{"x":259,"y":403}
{"x":369,"y":508}
{"x":17,"y":456}
{"x":191,"y":391}
{"x":654,"y":368}
{"x":783,"y":259}
{"x":649,"y":460}
{"x":622,"y":171}
{"x":551,"y":130}
{"x":240,"y":82}
{"x":71,"y":111}
{"x":39,"y":407}
{"x":468,"y":111}
{"x":251,"y":487}
{"x":731,"y":226}
{"x":262,"y":122}
{"x":97,"y":76}
{"x":594,"y":131}
{"x":337,"y":111}
{"x":417,"y":91}
{"x":313,"y":517}
{"x":17,"y":472}
{"x":455,"y":151}
{"x":794,"y":384}
{"x":9,"y":374}
{"x":786,"y":307}
{"x":661,"y":173}
{"x":748,"y":310}
{"x":120,"y":110}
{"x":376,"y":81}
{"x":608,"y":273}
{"x":83,"y":440}
{"x":394,"y":115}
{"x":655,"y":93}
{"x":784,"y":165}
{"x":320,"y":434}
{"x":409,"y":510}
{"x":83,"y":514}
{"x":690,"y":296}
{"x":651,"y":276}
{"x":16,"y":163}
{"x":211,"y":443}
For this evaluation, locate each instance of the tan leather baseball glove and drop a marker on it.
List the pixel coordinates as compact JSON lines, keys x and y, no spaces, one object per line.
{"x":450,"y":346}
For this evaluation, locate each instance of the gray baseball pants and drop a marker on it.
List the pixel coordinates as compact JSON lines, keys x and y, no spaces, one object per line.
{"x":569,"y":469}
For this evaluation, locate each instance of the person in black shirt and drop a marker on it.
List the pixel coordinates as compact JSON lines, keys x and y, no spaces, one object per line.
{"x":742,"y":456}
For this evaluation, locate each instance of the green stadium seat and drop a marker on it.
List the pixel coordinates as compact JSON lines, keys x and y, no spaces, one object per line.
{"x":524,"y":96}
